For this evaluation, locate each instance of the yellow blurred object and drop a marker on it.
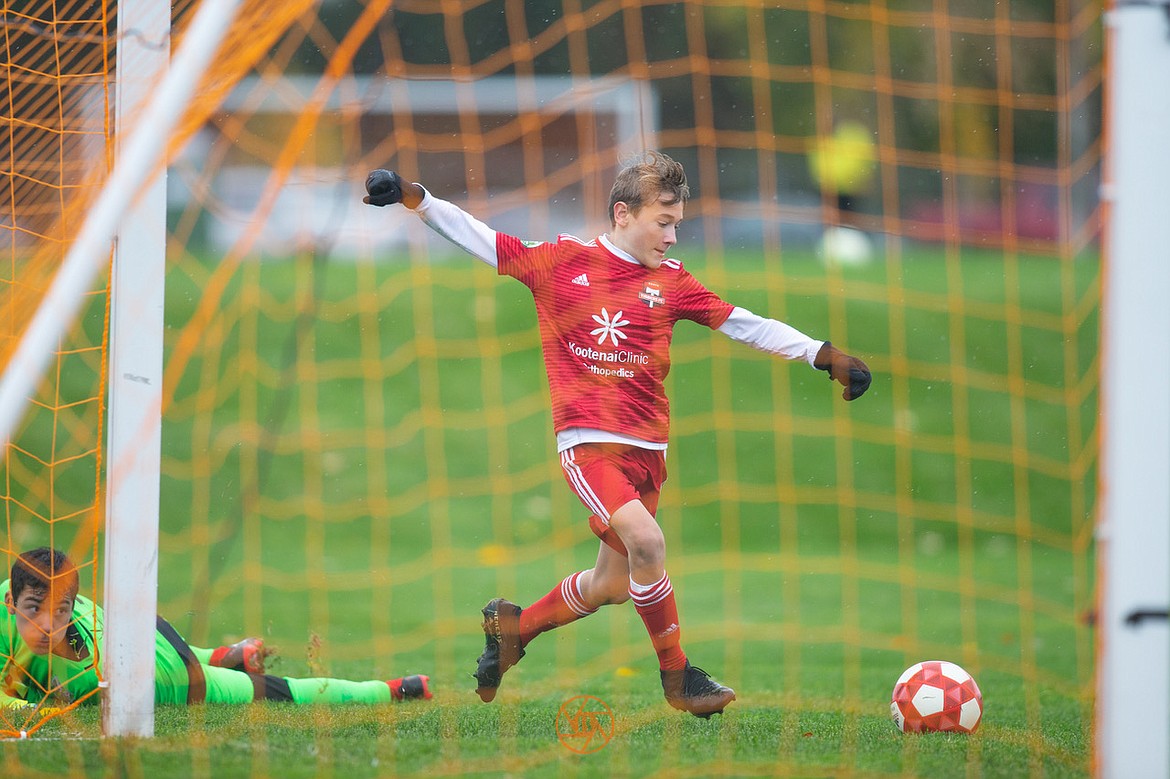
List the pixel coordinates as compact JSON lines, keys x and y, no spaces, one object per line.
{"x":493,"y":555}
{"x":844,"y":161}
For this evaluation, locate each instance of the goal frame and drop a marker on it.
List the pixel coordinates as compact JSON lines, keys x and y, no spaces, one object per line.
{"x":1133,"y":662}
{"x":147,"y":112}
{"x":149,"y":108}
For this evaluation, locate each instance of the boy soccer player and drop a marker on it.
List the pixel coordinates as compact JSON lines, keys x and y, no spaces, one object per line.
{"x":606,"y":309}
{"x":51,"y":633}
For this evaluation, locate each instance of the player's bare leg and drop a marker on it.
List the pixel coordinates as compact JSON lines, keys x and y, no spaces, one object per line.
{"x":608,"y":581}
{"x":643,"y":539}
{"x":686,"y":687}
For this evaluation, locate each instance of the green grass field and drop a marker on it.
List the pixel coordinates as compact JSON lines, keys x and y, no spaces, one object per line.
{"x":360,"y":518}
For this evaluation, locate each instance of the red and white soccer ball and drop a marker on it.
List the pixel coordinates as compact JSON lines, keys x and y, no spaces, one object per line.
{"x":936,"y":696}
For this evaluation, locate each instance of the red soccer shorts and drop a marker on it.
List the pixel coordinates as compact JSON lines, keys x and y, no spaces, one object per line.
{"x":606,"y":477}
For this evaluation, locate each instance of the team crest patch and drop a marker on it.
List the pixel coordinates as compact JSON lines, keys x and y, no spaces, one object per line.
{"x":652,"y":295}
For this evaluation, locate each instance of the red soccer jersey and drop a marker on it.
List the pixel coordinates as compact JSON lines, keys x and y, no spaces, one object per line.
{"x":605,"y":329}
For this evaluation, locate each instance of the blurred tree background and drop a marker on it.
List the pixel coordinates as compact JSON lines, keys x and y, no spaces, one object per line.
{"x":979,"y":83}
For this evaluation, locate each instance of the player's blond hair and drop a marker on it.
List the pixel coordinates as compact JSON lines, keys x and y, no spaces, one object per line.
{"x":647,"y":178}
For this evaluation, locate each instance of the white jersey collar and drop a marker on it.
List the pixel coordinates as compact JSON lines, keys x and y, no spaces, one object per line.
{"x":612,"y":248}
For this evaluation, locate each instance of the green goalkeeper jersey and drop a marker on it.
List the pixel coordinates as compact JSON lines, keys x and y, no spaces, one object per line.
{"x":182,"y":673}
{"x":27,"y":677}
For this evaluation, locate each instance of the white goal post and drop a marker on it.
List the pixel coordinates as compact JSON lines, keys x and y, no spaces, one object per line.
{"x":1133,"y":676}
{"x":132,"y":462}
{"x":137,"y":275}
{"x":148,"y":107}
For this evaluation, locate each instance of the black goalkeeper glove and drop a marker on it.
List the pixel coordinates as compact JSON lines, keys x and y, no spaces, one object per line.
{"x":384,"y":188}
{"x":849,"y":371}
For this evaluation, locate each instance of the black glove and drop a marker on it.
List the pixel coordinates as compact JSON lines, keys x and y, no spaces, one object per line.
{"x":849,"y":371}
{"x":384,"y":186}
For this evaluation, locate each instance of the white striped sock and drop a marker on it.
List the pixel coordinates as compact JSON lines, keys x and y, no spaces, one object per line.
{"x":571,"y":592}
{"x":649,"y":594}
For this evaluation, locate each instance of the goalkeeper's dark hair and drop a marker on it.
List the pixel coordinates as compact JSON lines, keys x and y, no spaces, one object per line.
{"x":33,"y":570}
{"x":647,"y":178}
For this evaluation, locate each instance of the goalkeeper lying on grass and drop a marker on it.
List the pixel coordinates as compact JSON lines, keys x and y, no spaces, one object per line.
{"x":50,"y":636}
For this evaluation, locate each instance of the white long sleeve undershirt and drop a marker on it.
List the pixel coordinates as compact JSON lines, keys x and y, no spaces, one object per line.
{"x":770,"y":336}
{"x":459,"y":227}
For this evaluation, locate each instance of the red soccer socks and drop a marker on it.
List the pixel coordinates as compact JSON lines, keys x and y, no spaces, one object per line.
{"x":562,"y":605}
{"x":656,"y":605}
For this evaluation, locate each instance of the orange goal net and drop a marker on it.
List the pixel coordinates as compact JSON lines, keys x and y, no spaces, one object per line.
{"x":357,"y":445}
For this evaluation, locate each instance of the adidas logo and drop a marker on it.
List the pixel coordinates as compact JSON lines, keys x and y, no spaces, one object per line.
{"x":582,"y":280}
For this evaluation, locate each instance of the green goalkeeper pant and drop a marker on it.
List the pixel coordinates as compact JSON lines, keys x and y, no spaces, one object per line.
{"x":227,"y":686}
{"x":183,"y":675}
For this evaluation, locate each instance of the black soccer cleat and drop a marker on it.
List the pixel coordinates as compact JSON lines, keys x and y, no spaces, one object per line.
{"x":501,"y":651}
{"x":692,"y":689}
{"x":410,"y":687}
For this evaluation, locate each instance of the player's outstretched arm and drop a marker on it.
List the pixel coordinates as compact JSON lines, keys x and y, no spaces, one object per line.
{"x":849,"y":371}
{"x":386,"y":187}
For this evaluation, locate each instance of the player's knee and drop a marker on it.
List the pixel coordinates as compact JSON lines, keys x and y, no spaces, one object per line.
{"x":647,"y":550}
{"x":642,"y":537}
